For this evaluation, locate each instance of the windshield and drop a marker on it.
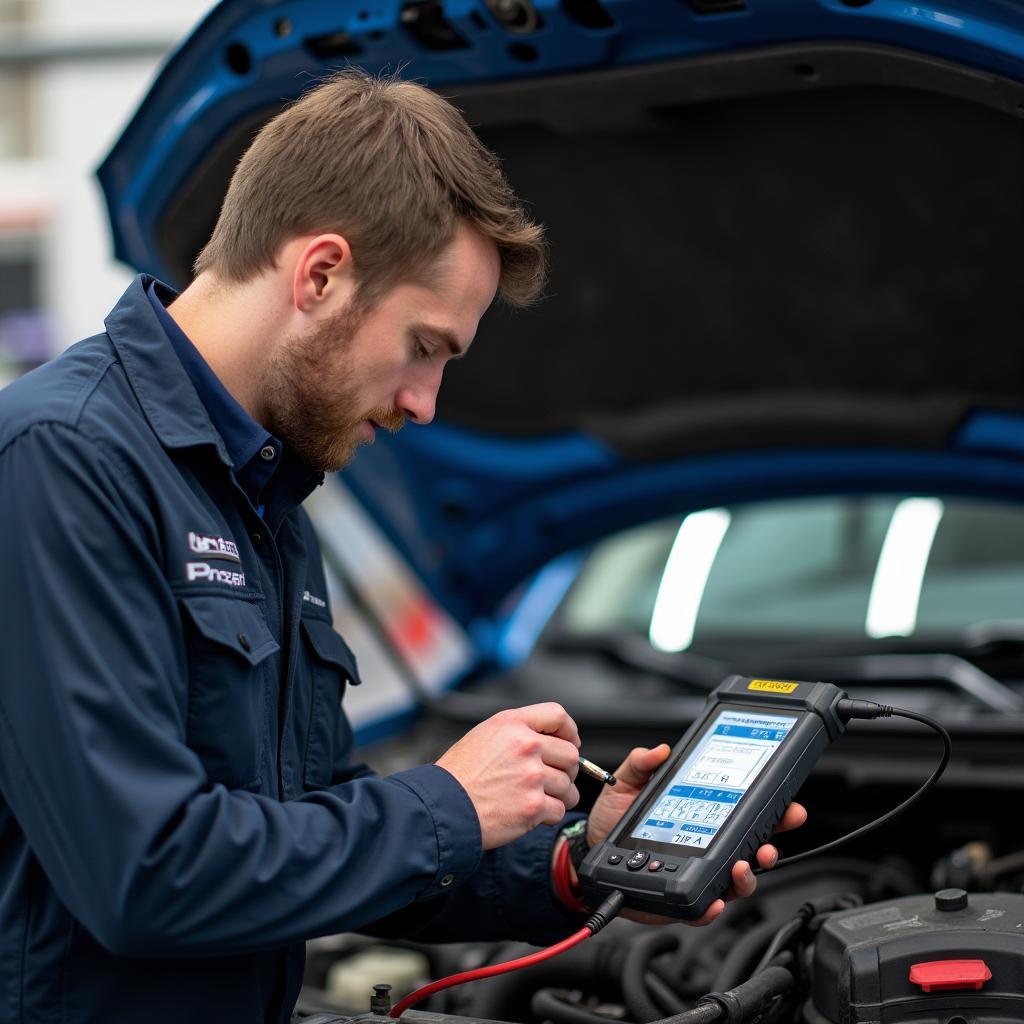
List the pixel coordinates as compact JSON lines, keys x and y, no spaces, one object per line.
{"x":809,"y":569}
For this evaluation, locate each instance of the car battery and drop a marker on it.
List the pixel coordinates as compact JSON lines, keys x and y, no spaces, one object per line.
{"x":950,"y":958}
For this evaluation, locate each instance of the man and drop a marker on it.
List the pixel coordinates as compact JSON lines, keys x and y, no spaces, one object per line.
{"x":179,"y":811}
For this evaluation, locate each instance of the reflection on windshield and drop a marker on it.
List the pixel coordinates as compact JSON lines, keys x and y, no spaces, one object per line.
{"x":685,"y":578}
{"x":902,"y":564}
{"x":837,"y":568}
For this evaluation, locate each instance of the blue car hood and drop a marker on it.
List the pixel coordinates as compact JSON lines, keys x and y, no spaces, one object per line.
{"x":785,"y":240}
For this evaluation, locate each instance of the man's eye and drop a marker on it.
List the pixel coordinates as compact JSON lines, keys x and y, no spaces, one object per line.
{"x":422,"y":352}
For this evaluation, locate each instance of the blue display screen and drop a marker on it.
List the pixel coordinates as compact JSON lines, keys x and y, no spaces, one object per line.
{"x":707,"y":786}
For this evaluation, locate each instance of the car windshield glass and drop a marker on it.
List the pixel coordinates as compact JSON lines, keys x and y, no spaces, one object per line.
{"x":826,"y":569}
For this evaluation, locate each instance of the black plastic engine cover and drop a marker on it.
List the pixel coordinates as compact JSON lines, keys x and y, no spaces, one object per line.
{"x":863,"y":958}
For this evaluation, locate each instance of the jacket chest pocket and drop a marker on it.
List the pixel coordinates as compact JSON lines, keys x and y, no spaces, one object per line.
{"x":229,"y":698}
{"x":329,"y":737}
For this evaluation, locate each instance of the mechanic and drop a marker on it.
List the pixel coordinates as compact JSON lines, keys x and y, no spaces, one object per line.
{"x":179,"y":809}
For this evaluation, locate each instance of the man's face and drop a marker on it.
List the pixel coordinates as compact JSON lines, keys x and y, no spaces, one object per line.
{"x":356,"y":371}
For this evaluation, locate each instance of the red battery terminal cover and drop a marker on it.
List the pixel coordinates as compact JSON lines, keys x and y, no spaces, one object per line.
{"x":948,"y":975}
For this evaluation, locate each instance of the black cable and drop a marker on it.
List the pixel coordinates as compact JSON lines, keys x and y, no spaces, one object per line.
{"x":807,"y":917}
{"x":867,"y":709}
{"x":663,"y":995}
{"x":783,"y":937}
{"x":634,"y":971}
{"x":736,"y":964}
{"x":552,"y":1004}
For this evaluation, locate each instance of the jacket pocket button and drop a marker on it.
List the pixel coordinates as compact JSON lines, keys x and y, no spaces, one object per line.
{"x":447,"y":880}
{"x":244,"y":640}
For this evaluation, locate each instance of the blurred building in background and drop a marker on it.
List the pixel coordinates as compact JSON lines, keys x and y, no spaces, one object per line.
{"x":71,"y":73}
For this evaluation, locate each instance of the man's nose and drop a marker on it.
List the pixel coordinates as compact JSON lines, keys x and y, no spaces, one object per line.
{"x":418,"y":403}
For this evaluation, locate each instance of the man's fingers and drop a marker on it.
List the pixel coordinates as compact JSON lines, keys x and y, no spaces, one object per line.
{"x":640,"y":763}
{"x":560,"y":754}
{"x":795,"y":816}
{"x":743,"y":881}
{"x":560,"y":786}
{"x":709,"y":915}
{"x":552,"y":719}
{"x":553,"y":811}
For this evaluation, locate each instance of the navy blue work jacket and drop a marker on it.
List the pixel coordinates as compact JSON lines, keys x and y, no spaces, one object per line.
{"x":178,"y":810}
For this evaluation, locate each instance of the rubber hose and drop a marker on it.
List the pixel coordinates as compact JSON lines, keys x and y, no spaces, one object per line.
{"x":689,"y":941}
{"x":736,"y":964}
{"x":550,"y":1004}
{"x":669,"y":973}
{"x":634,"y":986}
{"x":674,"y":970}
{"x":705,"y":1013}
{"x":662,"y":994}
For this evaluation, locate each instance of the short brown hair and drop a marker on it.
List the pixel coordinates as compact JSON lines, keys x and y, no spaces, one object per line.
{"x":390,"y":165}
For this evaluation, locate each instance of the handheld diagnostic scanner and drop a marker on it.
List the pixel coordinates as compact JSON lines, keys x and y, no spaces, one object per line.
{"x":713,"y":802}
{"x":717,"y":797}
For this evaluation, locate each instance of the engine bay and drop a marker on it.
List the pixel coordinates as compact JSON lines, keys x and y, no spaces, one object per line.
{"x":936,"y":886}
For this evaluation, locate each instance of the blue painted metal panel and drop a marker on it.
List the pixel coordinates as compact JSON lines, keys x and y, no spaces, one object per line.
{"x":518,"y":632}
{"x":474,"y":535}
{"x":477,"y":515}
{"x":239,"y":61}
{"x":992,"y":432}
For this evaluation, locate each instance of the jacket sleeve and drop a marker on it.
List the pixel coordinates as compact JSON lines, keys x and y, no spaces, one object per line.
{"x":509,"y":897}
{"x":146,"y":853}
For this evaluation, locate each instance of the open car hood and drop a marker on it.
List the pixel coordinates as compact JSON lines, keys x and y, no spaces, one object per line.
{"x":786,"y":245}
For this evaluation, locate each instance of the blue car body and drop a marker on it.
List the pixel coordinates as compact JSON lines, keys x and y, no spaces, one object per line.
{"x":892,"y":370}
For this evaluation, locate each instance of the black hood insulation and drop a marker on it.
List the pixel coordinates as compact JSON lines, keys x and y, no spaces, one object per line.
{"x":743,"y":258}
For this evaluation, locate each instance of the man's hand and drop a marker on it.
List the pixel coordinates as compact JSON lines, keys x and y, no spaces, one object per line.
{"x":519,"y":769}
{"x":614,"y":801}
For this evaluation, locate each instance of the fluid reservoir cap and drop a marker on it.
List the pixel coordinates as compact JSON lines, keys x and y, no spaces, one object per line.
{"x":951,"y":899}
{"x":949,"y":975}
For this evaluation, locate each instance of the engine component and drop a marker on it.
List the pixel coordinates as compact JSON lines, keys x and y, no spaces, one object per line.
{"x":947,"y":957}
{"x":350,"y":979}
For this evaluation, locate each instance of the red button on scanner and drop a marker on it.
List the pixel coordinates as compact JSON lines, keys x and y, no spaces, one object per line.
{"x":945,"y":975}
{"x":655,"y":865}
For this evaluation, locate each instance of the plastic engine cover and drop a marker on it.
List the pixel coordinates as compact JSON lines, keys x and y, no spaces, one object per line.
{"x":863,"y":961}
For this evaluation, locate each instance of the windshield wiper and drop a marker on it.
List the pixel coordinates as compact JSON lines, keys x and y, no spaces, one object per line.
{"x":947,"y":668}
{"x":993,"y":633}
{"x":636,"y":652}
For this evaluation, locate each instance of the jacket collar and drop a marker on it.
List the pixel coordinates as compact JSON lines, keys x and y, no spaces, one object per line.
{"x":161,"y":385}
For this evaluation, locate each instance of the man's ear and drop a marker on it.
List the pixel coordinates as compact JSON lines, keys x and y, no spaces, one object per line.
{"x":323,"y":273}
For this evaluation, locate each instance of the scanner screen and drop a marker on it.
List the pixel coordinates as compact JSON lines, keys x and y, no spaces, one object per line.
{"x":712,"y":778}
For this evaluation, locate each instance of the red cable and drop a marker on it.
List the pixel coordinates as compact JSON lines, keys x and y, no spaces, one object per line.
{"x":491,"y":971}
{"x":561,"y":879}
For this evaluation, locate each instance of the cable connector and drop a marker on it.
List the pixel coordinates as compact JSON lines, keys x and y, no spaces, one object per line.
{"x":867,"y":709}
{"x":609,"y":909}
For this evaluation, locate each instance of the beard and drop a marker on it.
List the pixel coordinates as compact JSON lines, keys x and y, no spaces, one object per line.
{"x":311,"y":396}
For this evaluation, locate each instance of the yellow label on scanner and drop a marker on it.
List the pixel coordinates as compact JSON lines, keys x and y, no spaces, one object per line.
{"x":771,"y":686}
